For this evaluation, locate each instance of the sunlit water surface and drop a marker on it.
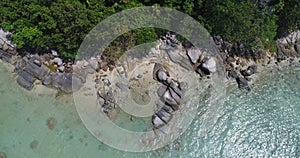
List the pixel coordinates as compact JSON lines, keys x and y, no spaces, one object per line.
{"x":265,"y":122}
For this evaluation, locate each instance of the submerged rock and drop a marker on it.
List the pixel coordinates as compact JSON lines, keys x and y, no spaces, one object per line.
{"x":233,"y":74}
{"x":2,"y":155}
{"x":34,"y":144}
{"x":51,"y":123}
{"x":242,"y":82}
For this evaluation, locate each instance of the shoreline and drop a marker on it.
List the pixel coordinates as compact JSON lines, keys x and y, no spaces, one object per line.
{"x":50,"y":68}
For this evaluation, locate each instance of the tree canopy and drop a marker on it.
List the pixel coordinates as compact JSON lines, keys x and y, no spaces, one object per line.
{"x":63,"y":24}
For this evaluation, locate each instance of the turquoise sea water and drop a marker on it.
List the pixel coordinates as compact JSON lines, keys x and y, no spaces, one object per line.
{"x":263,"y":123}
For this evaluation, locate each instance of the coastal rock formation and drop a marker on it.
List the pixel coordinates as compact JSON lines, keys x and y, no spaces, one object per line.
{"x":209,"y":66}
{"x":242,"y":82}
{"x":170,"y":95}
{"x":289,"y":46}
{"x":32,"y":70}
{"x":7,"y":48}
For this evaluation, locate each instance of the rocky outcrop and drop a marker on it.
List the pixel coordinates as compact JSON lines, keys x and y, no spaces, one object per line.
{"x":32,"y":68}
{"x":289,"y":46}
{"x":170,"y":93}
{"x":209,"y":66}
{"x":7,"y":48}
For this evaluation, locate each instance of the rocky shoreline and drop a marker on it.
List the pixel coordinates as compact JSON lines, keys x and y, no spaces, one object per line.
{"x":51,"y":70}
{"x":240,"y":66}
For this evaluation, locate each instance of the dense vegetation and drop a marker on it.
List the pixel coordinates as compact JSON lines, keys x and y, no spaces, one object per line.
{"x":62,"y":24}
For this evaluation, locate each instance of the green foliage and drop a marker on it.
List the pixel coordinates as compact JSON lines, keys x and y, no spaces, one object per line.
{"x":241,"y":21}
{"x":63,"y":24}
{"x":29,"y":36}
{"x":289,"y":15}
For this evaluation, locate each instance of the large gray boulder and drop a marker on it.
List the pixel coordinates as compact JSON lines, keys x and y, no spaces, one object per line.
{"x":164,"y":116}
{"x":37,"y":71}
{"x":27,"y":76}
{"x":58,"y":61}
{"x":193,"y":54}
{"x":66,"y":82}
{"x":209,"y":66}
{"x":24,"y":83}
{"x":6,"y":42}
{"x":177,"y":57}
{"x":157,"y":122}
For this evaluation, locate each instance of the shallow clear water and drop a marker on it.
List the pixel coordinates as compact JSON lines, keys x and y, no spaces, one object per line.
{"x":265,"y":122}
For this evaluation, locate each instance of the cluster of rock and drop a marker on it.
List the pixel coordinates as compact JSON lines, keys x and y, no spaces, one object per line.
{"x":170,"y":93}
{"x":240,"y":63}
{"x":51,"y":71}
{"x":289,"y":46}
{"x":108,"y":106}
{"x":7,"y":48}
{"x":191,"y":58}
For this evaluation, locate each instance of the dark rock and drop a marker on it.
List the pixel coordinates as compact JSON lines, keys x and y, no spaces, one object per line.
{"x":176,"y":89}
{"x":164,"y":116}
{"x":157,"y":122}
{"x":167,"y":98}
{"x":253,"y":68}
{"x":36,"y":71}
{"x":167,"y":108}
{"x":246,"y":72}
{"x":250,"y":70}
{"x":102,"y":95}
{"x":106,"y":108}
{"x":175,"y":96}
{"x":24,"y":83}
{"x":232,"y":74}
{"x":27,"y":76}
{"x":47,"y":80}
{"x":242,"y":82}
